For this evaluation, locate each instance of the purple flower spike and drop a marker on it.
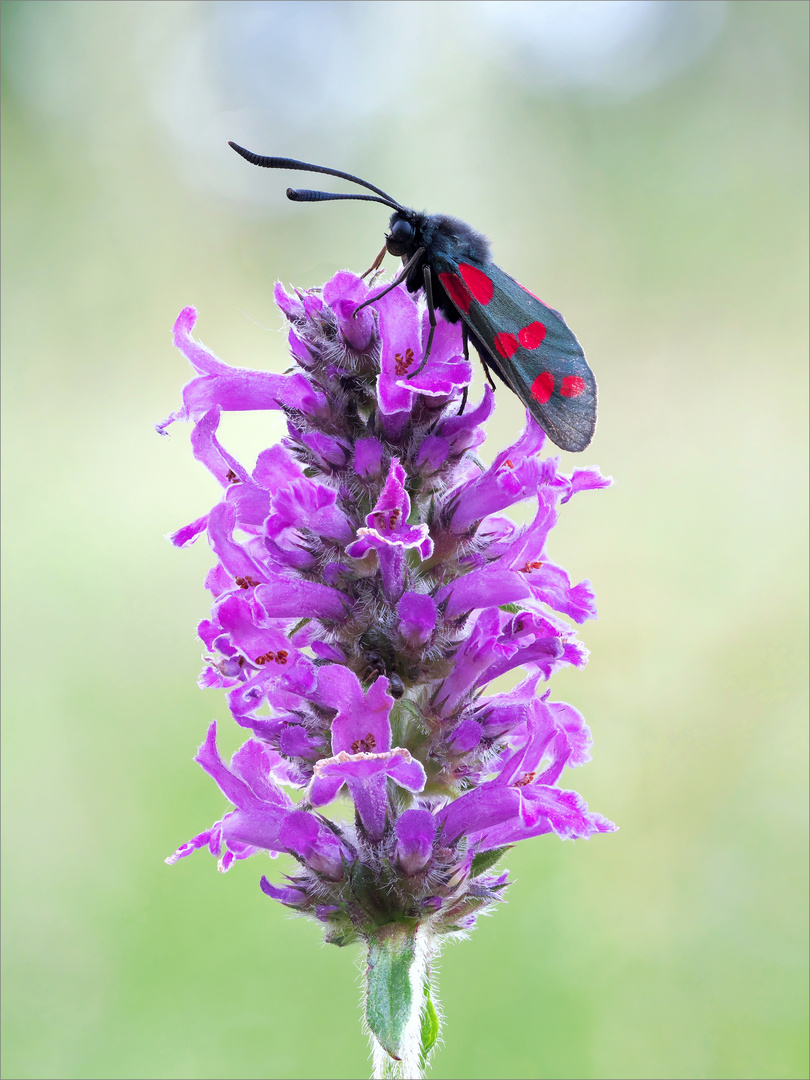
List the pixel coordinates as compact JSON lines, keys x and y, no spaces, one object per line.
{"x":367,"y":592}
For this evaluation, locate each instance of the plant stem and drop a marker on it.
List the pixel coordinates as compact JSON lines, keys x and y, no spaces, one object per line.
{"x":399,"y":1008}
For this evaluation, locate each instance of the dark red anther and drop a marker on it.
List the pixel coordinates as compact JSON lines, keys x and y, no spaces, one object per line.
{"x":231,"y":477}
{"x":402,"y":363}
{"x":281,"y":656}
{"x":246,"y":582}
{"x":364,"y":746}
{"x":525,"y":779}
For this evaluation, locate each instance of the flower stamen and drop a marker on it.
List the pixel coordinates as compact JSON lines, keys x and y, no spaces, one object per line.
{"x":364,"y":746}
{"x":279,"y":657}
{"x":246,"y":582}
{"x":403,"y":363}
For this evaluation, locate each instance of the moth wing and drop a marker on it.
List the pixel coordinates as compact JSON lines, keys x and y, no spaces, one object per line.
{"x":530,"y":347}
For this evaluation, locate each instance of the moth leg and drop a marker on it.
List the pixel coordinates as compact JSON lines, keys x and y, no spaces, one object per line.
{"x":397,"y":281}
{"x":488,"y":374}
{"x":427,"y":277}
{"x":465,"y":345}
{"x":376,"y":264}
{"x":465,"y":337}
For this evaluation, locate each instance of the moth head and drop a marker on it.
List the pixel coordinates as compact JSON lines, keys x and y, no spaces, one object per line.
{"x":401,"y":240}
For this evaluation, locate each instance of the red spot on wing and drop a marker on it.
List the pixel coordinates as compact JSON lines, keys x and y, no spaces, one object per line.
{"x":531,"y":336}
{"x":572,"y":386}
{"x":477,"y":282}
{"x":506,"y":345}
{"x":543,"y":387}
{"x":456,"y":290}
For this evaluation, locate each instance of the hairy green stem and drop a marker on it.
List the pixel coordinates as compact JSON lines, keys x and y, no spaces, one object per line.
{"x":399,"y":1000}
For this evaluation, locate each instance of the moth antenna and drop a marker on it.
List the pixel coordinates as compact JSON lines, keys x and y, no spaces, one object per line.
{"x":303,"y":166}
{"x":303,"y":195}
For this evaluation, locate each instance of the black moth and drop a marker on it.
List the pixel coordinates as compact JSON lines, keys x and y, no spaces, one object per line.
{"x":527,"y":344}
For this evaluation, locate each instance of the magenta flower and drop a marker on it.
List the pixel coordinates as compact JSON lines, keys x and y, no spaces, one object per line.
{"x":367,"y":591}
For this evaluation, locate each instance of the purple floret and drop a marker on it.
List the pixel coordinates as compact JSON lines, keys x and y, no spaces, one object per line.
{"x":366,"y":594}
{"x":416,"y":831}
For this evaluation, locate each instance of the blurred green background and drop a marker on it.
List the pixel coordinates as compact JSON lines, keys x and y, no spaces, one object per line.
{"x":643,"y":166}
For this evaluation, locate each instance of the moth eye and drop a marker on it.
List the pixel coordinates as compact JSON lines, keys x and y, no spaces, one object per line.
{"x":402,"y":231}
